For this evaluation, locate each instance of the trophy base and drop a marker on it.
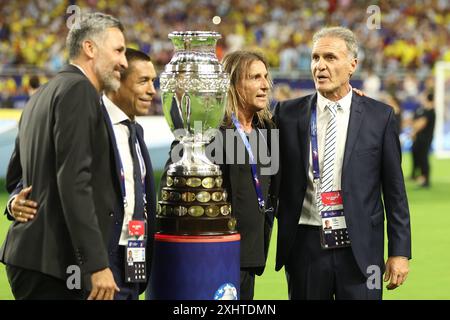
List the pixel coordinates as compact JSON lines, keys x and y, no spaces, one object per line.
{"x":194,"y":205}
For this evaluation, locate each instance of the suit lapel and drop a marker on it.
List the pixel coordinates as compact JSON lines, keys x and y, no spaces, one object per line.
{"x":356,"y":116}
{"x":149,"y":178}
{"x":112,"y":140}
{"x":304,"y":130}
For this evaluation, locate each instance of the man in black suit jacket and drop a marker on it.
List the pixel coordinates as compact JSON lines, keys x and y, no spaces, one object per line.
{"x":132,"y":99}
{"x":62,"y":150}
{"x":367,"y":166}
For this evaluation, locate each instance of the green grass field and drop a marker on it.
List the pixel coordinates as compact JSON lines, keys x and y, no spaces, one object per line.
{"x":429,"y":276}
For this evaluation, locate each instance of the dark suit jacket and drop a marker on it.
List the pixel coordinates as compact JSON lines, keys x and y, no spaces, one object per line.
{"x":149,"y":190}
{"x":371,"y":168}
{"x":62,"y":150}
{"x":231,"y":182}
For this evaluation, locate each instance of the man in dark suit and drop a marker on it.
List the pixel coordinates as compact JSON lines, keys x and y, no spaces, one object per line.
{"x":340,"y":154}
{"x":62,"y":150}
{"x":132,"y":99}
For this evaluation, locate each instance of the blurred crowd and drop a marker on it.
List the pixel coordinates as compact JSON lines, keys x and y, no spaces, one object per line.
{"x":409,"y":38}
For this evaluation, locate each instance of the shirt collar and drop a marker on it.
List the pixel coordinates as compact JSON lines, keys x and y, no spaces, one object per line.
{"x":115,"y":113}
{"x":81,"y":69}
{"x":345,"y":102}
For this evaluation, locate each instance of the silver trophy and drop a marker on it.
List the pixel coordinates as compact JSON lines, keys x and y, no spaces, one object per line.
{"x":194,"y":91}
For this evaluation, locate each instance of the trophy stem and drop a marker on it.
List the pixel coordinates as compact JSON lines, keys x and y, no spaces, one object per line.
{"x":194,"y":161}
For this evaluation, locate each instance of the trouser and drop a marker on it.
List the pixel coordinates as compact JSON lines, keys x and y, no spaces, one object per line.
{"x":420,"y":150}
{"x":34,"y":285}
{"x":415,"y":161}
{"x":325,"y":274}
{"x":247,"y":287}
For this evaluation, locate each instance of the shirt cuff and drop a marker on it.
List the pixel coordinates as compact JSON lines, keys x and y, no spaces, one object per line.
{"x":8,"y":205}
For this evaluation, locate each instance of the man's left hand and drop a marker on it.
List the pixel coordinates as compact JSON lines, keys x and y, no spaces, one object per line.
{"x":397,"y":269}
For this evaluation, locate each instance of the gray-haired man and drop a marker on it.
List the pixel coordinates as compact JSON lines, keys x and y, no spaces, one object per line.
{"x":342,"y":163}
{"x":63,"y":151}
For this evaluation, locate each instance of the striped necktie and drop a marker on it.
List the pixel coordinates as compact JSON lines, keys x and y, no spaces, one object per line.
{"x":329,"y":155}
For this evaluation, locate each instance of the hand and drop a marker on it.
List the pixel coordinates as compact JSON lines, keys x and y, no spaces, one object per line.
{"x":397,"y":269}
{"x":22,"y":209}
{"x":103,"y":285}
{"x":359,"y":92}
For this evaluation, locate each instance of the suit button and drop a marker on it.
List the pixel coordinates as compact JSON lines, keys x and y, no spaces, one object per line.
{"x":111,"y":214}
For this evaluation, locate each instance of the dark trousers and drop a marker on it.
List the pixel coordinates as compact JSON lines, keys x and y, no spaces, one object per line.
{"x":420,"y":150}
{"x":247,"y":287}
{"x":318,"y":274}
{"x":33,"y":285}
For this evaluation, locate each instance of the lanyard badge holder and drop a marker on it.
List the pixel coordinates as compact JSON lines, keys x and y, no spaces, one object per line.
{"x":135,"y":256}
{"x":334,"y":233}
{"x":135,"y":262}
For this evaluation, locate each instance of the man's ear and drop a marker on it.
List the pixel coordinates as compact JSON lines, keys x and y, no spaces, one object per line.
{"x":353,"y":64}
{"x":89,"y":48}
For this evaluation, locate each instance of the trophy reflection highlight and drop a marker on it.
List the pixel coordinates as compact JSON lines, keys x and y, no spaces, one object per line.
{"x":194,"y":91}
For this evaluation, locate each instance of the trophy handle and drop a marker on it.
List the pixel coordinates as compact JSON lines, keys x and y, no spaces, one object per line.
{"x":186,"y":106}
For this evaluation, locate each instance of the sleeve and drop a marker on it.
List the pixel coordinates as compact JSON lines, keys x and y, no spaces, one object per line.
{"x":13,"y":177}
{"x":14,"y":171}
{"x":8,"y":211}
{"x":394,"y":194}
{"x":76,"y":117}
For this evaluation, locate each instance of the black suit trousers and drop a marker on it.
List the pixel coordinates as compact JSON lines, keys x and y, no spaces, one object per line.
{"x":314,"y":273}
{"x":33,"y":285}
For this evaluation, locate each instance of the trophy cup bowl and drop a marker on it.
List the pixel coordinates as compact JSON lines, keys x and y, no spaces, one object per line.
{"x":194,"y":90}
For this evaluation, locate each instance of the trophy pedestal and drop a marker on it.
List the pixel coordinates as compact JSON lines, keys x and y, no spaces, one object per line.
{"x":195,"y":268}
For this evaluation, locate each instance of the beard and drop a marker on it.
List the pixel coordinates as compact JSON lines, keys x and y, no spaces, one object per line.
{"x":107,"y":77}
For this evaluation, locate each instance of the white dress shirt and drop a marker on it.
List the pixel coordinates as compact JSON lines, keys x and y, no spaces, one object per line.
{"x":122,"y":135}
{"x":310,"y":214}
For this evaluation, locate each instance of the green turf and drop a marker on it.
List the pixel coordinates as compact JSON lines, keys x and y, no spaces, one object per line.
{"x":429,"y":276}
{"x":5,"y":292}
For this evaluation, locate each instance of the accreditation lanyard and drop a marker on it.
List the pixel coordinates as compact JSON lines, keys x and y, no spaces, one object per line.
{"x":122,"y":182}
{"x":122,"y":176}
{"x":314,"y":146}
{"x":255,"y":176}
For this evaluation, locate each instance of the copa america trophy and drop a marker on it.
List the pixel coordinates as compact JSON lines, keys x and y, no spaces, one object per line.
{"x":194,"y":91}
